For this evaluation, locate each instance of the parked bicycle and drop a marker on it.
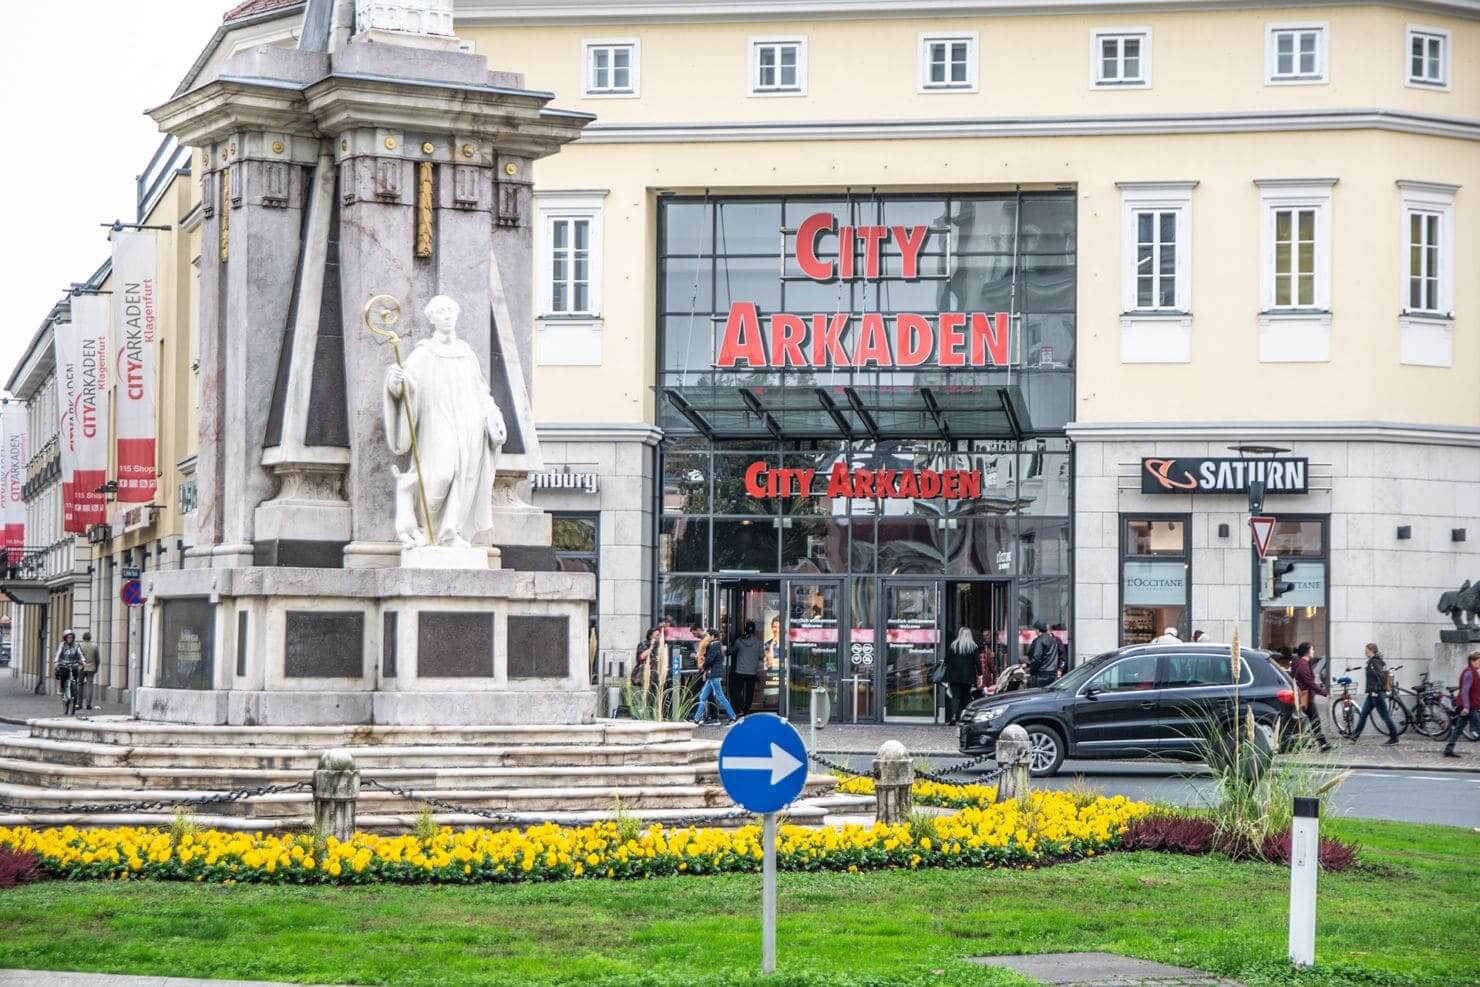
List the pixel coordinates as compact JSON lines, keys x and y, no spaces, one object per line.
{"x":1344,"y":709}
{"x":1430,"y":710}
{"x":1397,"y":708}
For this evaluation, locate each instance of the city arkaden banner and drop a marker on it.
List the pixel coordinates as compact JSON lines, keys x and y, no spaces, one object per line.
{"x":81,"y":368}
{"x":134,"y":314}
{"x":64,"y":348}
{"x":13,"y":455}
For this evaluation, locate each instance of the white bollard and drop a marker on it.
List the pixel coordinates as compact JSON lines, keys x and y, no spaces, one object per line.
{"x":1305,"y":856}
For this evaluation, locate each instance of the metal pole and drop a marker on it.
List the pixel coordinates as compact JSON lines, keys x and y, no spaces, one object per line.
{"x":1305,"y":849}
{"x":768,"y":894}
{"x":1255,"y":612}
{"x":812,"y":721}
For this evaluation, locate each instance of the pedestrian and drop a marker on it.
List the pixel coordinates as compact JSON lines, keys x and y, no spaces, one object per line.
{"x":986,"y":665}
{"x":1376,"y":688}
{"x":1043,"y":657}
{"x":1306,"y":690}
{"x":712,"y":656}
{"x":1063,"y":644}
{"x":747,"y":667}
{"x":1168,"y":636}
{"x":1466,"y":703}
{"x":961,"y":671}
{"x":68,"y":663}
{"x":89,"y":671}
{"x":1197,"y":637}
{"x":644,"y":662}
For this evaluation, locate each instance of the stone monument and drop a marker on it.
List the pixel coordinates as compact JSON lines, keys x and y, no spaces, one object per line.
{"x":364,"y":547}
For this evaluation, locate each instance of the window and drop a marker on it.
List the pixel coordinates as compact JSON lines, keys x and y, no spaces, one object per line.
{"x":1295,"y":53}
{"x":1426,"y":292}
{"x":1156,"y":246}
{"x":1301,"y":614}
{"x":1129,"y":675}
{"x":1197,"y":671}
{"x":778,"y":67}
{"x":611,"y":68}
{"x":569,"y":291}
{"x":577,"y":544}
{"x":1296,"y":244}
{"x":948,"y":62}
{"x":1423,"y":260}
{"x":1428,"y":57}
{"x":1155,"y":577}
{"x":1295,"y":257}
{"x":1121,"y":59}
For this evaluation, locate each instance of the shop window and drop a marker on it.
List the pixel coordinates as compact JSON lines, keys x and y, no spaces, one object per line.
{"x":1121,"y":59}
{"x":683,"y":544}
{"x":948,"y":62}
{"x":1295,"y":54}
{"x":577,"y":543}
{"x":611,"y":68}
{"x":1155,"y":577}
{"x":1428,"y":57}
{"x":1301,"y":614}
{"x":778,"y":67}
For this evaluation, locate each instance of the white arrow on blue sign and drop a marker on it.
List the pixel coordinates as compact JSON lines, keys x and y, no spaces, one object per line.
{"x":762,"y":763}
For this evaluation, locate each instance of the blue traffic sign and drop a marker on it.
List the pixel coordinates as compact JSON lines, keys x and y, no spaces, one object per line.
{"x":132,"y":594}
{"x":763,"y":763}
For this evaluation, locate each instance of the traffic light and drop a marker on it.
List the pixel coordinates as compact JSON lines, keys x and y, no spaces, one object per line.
{"x":1256,"y":496}
{"x":1277,"y":572}
{"x":1266,"y":577}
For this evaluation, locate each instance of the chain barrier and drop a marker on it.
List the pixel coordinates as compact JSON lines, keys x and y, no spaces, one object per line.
{"x":941,"y":777}
{"x":151,"y":805}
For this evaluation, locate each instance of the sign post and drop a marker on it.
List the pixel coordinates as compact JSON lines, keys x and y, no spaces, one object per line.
{"x":763,"y":768}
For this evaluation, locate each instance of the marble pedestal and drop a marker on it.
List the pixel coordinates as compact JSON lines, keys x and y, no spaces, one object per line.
{"x":298,"y":646}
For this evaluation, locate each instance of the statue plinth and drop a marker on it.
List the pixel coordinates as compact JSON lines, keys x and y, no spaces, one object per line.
{"x":445,"y":557}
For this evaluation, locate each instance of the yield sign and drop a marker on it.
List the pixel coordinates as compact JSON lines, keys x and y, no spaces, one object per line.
{"x":1262,"y":525}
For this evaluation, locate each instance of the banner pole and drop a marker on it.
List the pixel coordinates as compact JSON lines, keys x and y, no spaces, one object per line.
{"x":768,"y":894}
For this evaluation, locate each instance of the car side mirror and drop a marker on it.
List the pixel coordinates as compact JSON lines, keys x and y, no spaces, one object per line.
{"x":1091,"y":692}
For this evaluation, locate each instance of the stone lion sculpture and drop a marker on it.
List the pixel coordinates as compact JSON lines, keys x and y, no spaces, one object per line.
{"x":1463,"y":606}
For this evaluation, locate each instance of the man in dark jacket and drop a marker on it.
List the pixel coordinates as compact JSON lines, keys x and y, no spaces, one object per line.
{"x":1306,"y":690}
{"x":1376,"y":689}
{"x":747,"y":667}
{"x":1043,"y":657}
{"x":1466,"y":703}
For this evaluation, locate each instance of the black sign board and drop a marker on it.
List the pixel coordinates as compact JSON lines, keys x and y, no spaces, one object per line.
{"x":131,"y":572}
{"x":1198,"y":475}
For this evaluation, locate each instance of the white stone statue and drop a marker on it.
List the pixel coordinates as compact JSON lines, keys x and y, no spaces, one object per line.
{"x":416,"y":17}
{"x":459,"y":433}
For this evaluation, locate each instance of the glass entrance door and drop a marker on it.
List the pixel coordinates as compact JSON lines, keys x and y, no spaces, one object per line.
{"x":814,"y":615}
{"x":911,"y":620}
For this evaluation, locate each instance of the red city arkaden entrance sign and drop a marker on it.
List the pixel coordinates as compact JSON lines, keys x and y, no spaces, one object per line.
{"x":843,"y":339}
{"x":763,"y":481}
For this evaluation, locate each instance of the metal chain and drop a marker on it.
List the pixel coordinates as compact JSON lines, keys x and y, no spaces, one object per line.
{"x":149,"y":805}
{"x":941,"y":777}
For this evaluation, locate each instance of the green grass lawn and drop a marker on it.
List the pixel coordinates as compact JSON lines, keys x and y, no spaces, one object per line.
{"x":1407,"y":917}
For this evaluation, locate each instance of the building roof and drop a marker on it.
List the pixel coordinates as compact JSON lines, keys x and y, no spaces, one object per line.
{"x":251,"y":8}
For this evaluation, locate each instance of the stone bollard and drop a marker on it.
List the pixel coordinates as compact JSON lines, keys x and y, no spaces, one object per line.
{"x":894,"y":778}
{"x":1012,"y":757}
{"x":336,"y":789}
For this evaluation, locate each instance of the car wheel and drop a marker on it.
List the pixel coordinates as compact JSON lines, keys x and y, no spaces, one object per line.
{"x":1045,"y":751}
{"x":1266,"y":731}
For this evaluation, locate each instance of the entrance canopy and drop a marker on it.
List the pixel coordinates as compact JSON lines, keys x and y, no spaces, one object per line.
{"x":786,"y":407}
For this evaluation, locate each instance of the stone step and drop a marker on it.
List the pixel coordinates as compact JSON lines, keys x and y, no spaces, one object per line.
{"x":66,"y":776}
{"x":142,"y":733}
{"x":298,"y":758}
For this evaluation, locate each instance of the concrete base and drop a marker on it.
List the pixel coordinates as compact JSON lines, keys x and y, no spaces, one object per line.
{"x":241,"y":707}
{"x":443,"y":557}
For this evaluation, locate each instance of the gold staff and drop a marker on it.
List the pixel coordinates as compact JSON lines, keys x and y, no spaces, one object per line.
{"x":387,"y":314}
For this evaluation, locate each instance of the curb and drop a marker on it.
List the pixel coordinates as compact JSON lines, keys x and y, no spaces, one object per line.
{"x":1473,"y":768}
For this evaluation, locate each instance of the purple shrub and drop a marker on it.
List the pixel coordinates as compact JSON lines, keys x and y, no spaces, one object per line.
{"x":1171,"y":834}
{"x":1334,"y":856}
{"x":19,"y":868}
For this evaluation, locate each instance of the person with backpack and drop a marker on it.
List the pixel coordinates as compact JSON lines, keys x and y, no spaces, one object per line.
{"x":1466,"y":703}
{"x":711,"y":657}
{"x":1376,"y":688}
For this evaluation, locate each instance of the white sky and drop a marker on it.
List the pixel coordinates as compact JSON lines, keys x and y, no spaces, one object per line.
{"x":74,"y":83}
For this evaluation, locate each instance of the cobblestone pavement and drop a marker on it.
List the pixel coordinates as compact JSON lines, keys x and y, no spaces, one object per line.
{"x":1103,"y":970}
{"x":18,"y":703}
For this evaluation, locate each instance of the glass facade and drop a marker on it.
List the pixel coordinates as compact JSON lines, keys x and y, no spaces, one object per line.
{"x":864,"y":577}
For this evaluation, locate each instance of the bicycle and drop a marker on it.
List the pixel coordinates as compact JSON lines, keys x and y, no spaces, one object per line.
{"x":1397,"y":708}
{"x":1430,"y":711}
{"x":72,"y":691}
{"x":1344,"y":709}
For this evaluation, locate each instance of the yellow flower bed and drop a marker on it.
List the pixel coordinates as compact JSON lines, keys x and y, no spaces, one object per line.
{"x":929,"y":792}
{"x":1050,"y":825}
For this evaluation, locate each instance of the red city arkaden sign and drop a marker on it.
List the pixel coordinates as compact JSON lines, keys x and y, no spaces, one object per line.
{"x":945,"y":339}
{"x":764,"y":482}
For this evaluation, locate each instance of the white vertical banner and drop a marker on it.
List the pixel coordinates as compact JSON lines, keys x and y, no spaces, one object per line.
{"x":64,"y":345}
{"x":14,"y":451}
{"x":135,"y":311}
{"x":91,"y":315}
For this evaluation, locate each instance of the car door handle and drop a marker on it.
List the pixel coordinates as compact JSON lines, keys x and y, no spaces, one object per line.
{"x":1148,"y":704}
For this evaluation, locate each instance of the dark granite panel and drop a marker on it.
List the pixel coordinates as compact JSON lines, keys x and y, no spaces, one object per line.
{"x":389,"y":625}
{"x":187,"y":646}
{"x":324,"y":644}
{"x":454,"y":644}
{"x":539,"y":647}
{"x":241,"y":642}
{"x":303,"y":554}
{"x":528,"y":558}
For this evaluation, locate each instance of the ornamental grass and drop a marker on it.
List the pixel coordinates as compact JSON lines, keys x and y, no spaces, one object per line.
{"x":1020,"y":833}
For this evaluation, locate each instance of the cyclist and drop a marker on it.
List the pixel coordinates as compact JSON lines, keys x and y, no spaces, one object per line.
{"x":68,"y":664}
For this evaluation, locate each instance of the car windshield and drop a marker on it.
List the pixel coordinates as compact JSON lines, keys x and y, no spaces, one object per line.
{"x":1080,"y":674}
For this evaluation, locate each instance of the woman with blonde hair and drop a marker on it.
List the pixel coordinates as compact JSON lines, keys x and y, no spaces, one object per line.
{"x":961,"y":672}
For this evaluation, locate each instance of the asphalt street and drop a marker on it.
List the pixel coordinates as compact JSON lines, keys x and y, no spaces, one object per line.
{"x":1449,"y":799}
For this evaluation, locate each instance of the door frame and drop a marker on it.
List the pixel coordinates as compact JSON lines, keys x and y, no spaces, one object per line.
{"x":834,"y":684}
{"x":881,"y":625}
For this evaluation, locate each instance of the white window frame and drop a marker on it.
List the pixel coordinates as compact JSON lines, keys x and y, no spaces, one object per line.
{"x":973,"y":61}
{"x":567,"y":339}
{"x":753,"y":66}
{"x":1295,"y":333}
{"x":1323,"y":54}
{"x":1156,"y":197}
{"x":1434,"y":199}
{"x":1429,"y":33}
{"x":1097,"y":80}
{"x":588,"y":68}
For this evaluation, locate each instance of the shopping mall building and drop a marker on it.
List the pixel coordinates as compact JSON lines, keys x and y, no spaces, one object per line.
{"x":870,"y":320}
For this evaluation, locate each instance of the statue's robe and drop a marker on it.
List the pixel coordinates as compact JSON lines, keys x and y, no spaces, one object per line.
{"x":459,"y":432}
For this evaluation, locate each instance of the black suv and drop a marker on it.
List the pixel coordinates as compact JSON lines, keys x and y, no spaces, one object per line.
{"x":1150,"y":700}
